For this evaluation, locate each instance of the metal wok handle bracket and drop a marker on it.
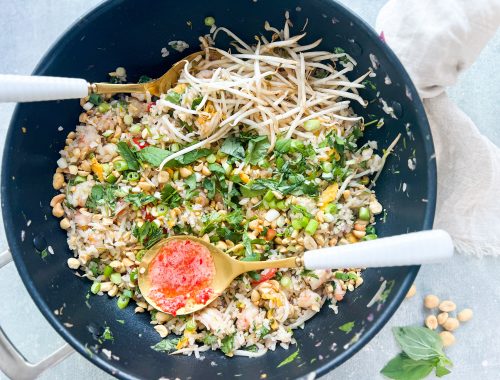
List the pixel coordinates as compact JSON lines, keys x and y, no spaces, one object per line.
{"x":12,"y":362}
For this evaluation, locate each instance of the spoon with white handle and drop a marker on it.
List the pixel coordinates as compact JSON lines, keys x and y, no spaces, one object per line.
{"x":415,"y":248}
{"x":25,"y":88}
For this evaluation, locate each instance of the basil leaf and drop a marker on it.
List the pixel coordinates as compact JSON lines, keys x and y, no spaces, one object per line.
{"x":289,"y":359}
{"x":128,"y":156}
{"x":233,"y":147}
{"x":166,"y":345}
{"x":419,"y":343}
{"x":217,"y":168}
{"x":209,"y":185}
{"x":404,"y":368}
{"x":441,"y":370}
{"x":283,"y":145}
{"x":140,"y":199}
{"x":257,"y":149}
{"x":170,"y":196}
{"x":153,"y":155}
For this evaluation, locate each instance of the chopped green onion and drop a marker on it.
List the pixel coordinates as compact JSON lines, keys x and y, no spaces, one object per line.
{"x":191,"y":325}
{"x":120,"y":165}
{"x":297,"y":224}
{"x":304,"y":221}
{"x":209,"y":21}
{"x":127,"y":293}
{"x":175,"y":147}
{"x":312,"y":125}
{"x":96,"y":287}
{"x":107,"y":271}
{"x":103,"y":107}
{"x":140,"y":254}
{"x":370,"y":230}
{"x":327,"y":167}
{"x":107,"y":133}
{"x":370,"y":237}
{"x":297,"y":145}
{"x":285,"y":281}
{"x":364,"y":213}
{"x":116,"y":278}
{"x":269,"y":196}
{"x":95,"y":99}
{"x":111,"y":178}
{"x":311,"y":227}
{"x":128,"y":119}
{"x":79,"y":179}
{"x":331,"y":208}
{"x":281,"y":205}
{"x":133,"y":275}
{"x":161,"y":210}
{"x":211,"y":158}
{"x":173,"y":97}
{"x":135,"y":129}
{"x":365,"y":180}
{"x":133,"y":176}
{"x":122,"y":302}
{"x":280,"y":162}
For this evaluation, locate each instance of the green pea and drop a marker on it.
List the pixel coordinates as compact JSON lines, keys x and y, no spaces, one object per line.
{"x":209,"y":21}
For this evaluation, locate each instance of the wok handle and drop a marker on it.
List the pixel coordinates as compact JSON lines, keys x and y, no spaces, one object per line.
{"x":26,"y":88}
{"x":12,"y":362}
{"x":424,"y":247}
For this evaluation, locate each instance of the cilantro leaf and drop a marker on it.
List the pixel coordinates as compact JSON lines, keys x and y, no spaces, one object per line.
{"x":166,"y":345}
{"x":140,"y":199}
{"x":155,"y":156}
{"x":101,"y":195}
{"x":148,"y":234}
{"x":170,"y":196}
{"x":227,"y":344}
{"x":309,"y":273}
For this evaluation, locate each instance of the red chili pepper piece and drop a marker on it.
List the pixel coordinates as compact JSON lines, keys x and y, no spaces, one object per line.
{"x":265,"y":275}
{"x":270,"y":234}
{"x":149,"y":105}
{"x":141,"y":144}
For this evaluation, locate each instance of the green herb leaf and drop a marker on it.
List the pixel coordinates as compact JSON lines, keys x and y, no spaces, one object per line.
{"x":101,"y":195}
{"x":404,"y":368}
{"x":347,"y":327}
{"x":140,"y":199}
{"x":217,"y":169}
{"x":289,"y":359}
{"x":144,"y":79}
{"x":419,"y":343}
{"x":128,"y":156}
{"x":263,"y":331}
{"x":233,"y":147}
{"x":309,"y":273}
{"x":191,"y":181}
{"x":106,"y":335}
{"x":166,"y":345}
{"x":257,"y":149}
{"x":173,"y":97}
{"x":196,"y":102}
{"x":170,"y":196}
{"x":227,"y":344}
{"x":209,"y":185}
{"x":155,"y":156}
{"x":283,"y":145}
{"x":148,"y":234}
{"x":44,"y":253}
{"x":210,"y":339}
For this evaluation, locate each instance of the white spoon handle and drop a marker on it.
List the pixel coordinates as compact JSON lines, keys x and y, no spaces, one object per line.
{"x":24,"y":88}
{"x":410,"y":249}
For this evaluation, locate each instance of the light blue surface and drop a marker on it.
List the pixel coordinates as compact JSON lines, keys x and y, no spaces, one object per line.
{"x":29,"y":27}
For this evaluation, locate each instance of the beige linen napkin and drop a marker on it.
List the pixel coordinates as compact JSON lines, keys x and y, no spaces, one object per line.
{"x":436,"y":40}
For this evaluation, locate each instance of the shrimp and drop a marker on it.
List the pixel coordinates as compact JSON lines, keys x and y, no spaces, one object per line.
{"x":309,"y":300}
{"x":212,"y":319}
{"x":322,"y":276}
{"x":247,"y":316}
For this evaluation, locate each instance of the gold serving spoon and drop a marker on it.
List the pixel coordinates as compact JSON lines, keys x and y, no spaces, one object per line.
{"x":21,"y":88}
{"x":410,"y":249}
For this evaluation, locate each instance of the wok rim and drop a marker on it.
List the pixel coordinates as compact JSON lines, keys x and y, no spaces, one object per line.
{"x":381,"y":319}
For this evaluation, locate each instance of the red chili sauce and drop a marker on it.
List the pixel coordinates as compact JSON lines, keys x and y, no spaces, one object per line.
{"x":180,"y":274}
